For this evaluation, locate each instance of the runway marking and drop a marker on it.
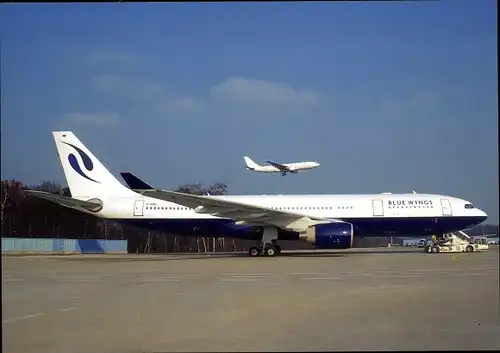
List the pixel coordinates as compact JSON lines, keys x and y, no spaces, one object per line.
{"x":306,"y":273}
{"x":69,"y":309}
{"x":20,"y":318}
{"x":162,"y":277}
{"x":13,"y":280}
{"x":76,"y":277}
{"x":158,"y":279}
{"x":239,"y":279}
{"x":244,"y":277}
{"x":402,"y":276}
{"x":470,"y":274}
{"x":321,"y":278}
{"x":247,"y":274}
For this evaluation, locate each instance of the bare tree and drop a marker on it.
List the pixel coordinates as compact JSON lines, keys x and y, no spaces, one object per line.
{"x":11,"y":196}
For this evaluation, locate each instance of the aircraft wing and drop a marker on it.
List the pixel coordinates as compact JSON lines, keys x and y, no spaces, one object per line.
{"x":241,"y":212}
{"x":281,"y":167}
{"x":85,"y":206}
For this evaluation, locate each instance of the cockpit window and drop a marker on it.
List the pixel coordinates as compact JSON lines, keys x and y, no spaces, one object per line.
{"x":469,"y":205}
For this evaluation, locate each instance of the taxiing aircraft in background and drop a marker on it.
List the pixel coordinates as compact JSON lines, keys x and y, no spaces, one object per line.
{"x":279,"y":168}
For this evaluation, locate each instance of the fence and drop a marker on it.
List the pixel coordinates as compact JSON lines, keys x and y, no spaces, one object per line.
{"x":64,"y":246}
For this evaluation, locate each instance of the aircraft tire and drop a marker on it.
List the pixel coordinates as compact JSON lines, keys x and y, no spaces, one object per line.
{"x":254,"y":251}
{"x":271,"y":251}
{"x":469,"y":248}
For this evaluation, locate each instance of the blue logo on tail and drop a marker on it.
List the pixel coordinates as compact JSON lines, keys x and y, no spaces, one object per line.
{"x":87,"y":162}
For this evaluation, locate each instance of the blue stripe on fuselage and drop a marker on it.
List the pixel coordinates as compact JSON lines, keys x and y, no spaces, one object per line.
{"x":371,"y":227}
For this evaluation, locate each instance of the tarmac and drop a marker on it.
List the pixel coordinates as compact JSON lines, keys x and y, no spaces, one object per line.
{"x":385,"y":299}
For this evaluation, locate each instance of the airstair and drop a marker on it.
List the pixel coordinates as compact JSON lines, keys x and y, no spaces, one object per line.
{"x":456,"y":238}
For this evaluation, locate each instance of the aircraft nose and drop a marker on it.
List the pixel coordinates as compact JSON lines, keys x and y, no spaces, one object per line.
{"x":482,"y":215}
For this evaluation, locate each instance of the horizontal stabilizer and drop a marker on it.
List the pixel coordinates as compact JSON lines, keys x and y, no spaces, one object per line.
{"x":134,"y":182}
{"x":92,"y":205}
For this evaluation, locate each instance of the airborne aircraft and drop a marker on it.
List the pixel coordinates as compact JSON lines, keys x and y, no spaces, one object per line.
{"x":278,"y":167}
{"x":327,"y":221}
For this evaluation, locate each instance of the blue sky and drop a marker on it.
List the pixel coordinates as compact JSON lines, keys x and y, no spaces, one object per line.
{"x":386,"y":96}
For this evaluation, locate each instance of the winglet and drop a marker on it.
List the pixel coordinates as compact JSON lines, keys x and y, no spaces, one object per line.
{"x":134,"y":182}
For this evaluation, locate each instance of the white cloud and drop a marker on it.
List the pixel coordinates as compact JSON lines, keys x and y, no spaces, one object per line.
{"x":183,"y":104}
{"x":106,"y":119}
{"x":415,"y":102}
{"x":148,"y":93}
{"x":108,"y":82}
{"x":262,"y":93}
{"x":239,"y":97}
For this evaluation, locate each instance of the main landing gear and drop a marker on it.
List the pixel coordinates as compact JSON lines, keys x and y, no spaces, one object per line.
{"x":268,"y":250}
{"x":268,"y":245}
{"x":283,"y":173}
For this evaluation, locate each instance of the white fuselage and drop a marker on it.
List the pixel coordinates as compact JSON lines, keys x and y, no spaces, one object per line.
{"x":294,"y":167}
{"x":360,"y":206}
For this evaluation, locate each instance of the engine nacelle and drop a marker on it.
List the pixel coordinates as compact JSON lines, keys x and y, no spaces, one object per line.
{"x":339,"y":235}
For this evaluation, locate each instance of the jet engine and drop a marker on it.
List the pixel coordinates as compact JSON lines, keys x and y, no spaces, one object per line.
{"x":338,"y":235}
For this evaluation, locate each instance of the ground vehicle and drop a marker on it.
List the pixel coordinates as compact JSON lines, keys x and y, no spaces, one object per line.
{"x":493,"y":241}
{"x":457,"y":242}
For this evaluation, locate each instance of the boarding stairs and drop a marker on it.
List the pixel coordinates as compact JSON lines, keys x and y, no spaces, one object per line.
{"x":455,"y":238}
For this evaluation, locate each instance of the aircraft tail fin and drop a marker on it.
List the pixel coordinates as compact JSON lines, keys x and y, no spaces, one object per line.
{"x":250,"y":164}
{"x":134,"y":182}
{"x":87,"y":177}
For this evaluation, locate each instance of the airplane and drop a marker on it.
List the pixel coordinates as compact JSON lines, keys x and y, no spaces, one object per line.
{"x":277,"y":167}
{"x":326,"y":221}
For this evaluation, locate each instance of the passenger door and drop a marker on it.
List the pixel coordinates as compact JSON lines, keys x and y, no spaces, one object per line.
{"x":139,"y":208}
{"x":446,"y":206}
{"x":378,"y":208}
